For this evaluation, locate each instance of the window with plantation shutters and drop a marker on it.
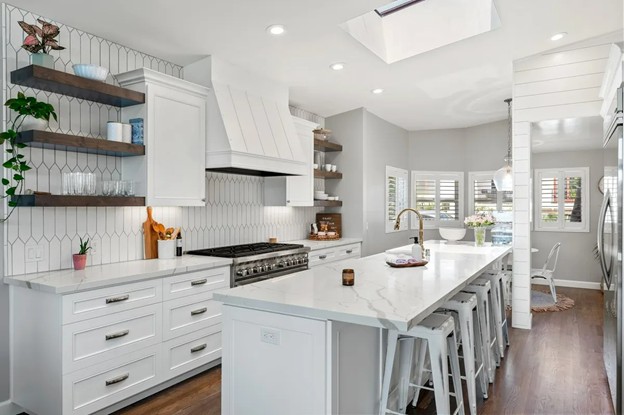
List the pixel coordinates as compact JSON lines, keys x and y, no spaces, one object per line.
{"x":561,"y":199}
{"x":439,"y":197}
{"x":483,"y":196}
{"x":396,"y":197}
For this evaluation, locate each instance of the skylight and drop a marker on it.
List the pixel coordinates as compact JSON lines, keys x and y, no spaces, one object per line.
{"x":405,"y":28}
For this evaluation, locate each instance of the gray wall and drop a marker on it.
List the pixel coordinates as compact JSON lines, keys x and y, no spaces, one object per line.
{"x":348,"y":130}
{"x":478,"y":148}
{"x":385,"y":146}
{"x":576,"y":260}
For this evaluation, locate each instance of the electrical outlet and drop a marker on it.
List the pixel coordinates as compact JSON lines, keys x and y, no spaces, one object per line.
{"x":34,"y":253}
{"x":270,"y":336}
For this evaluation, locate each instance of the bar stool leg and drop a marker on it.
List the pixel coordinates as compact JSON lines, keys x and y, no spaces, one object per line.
{"x":438,"y":352}
{"x":393,"y":336}
{"x":480,"y":352}
{"x":422,"y":356}
{"x":468,"y":347}
{"x":485,"y":341}
{"x":406,"y":352}
{"x":456,"y":371}
{"x":498,"y":318}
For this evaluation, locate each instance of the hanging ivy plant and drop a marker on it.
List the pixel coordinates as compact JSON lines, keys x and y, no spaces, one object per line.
{"x":16,"y":163}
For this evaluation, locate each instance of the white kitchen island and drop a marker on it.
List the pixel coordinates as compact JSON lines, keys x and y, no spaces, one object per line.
{"x":306,"y":344}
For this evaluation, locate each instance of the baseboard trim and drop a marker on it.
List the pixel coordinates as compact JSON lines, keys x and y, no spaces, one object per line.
{"x":569,"y":283}
{"x":9,"y":408}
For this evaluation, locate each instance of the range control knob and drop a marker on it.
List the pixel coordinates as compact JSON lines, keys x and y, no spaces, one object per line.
{"x":297,"y":261}
{"x":281,"y":264}
{"x":241,"y":272}
{"x":265,"y":268}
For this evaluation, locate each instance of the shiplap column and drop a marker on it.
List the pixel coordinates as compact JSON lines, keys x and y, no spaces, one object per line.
{"x":562,"y":83}
{"x":521,"y":283}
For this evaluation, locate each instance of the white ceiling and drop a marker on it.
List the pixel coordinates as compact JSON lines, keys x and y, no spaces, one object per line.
{"x":570,"y":134}
{"x":459,"y":85}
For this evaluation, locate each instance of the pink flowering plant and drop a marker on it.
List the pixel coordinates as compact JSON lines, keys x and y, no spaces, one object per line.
{"x":40,"y":39}
{"x":480,"y":220}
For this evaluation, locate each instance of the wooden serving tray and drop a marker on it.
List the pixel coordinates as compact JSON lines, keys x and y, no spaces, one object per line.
{"x":413,"y":264}
{"x":314,"y":237}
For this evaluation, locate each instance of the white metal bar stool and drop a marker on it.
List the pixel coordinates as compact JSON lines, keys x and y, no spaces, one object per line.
{"x":464,"y":307}
{"x":437,"y":334}
{"x":498,"y":281}
{"x":482,"y":288}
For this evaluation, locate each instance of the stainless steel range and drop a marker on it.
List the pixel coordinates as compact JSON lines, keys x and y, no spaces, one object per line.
{"x":260,"y":261}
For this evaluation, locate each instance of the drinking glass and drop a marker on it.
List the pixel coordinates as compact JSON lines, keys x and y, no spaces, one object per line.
{"x":128,"y":188}
{"x":78,"y":183}
{"x":67,"y":184}
{"x":91,"y":184}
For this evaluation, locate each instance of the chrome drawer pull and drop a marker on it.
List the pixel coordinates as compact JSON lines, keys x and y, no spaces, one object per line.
{"x":199,"y":282}
{"x":322,"y":256}
{"x":198,"y":348}
{"x":117,"y":335}
{"x":199,"y":311}
{"x":117,"y":299}
{"x":118,"y":379}
{"x":350,"y":251}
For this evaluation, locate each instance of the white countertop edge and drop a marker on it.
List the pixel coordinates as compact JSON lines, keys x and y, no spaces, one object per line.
{"x":69,"y":281}
{"x":315,"y":245}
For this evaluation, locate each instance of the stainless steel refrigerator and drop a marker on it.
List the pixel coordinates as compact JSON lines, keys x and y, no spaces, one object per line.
{"x":610,"y":248}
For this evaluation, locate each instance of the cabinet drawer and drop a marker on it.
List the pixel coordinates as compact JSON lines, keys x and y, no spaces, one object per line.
{"x":93,"y":341}
{"x":193,"y":350}
{"x":97,"y":303}
{"x":189,"y":314}
{"x":196,"y":282}
{"x":348,"y":251}
{"x":321,"y":256}
{"x":97,"y":387}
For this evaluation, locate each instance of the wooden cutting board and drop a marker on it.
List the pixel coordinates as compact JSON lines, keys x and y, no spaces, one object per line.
{"x":150,"y":236}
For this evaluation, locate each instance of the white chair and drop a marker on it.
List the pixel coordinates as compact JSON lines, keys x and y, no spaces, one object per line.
{"x":547,"y":272}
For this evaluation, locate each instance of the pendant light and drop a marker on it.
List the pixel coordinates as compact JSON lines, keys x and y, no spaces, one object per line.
{"x":503,"y":178}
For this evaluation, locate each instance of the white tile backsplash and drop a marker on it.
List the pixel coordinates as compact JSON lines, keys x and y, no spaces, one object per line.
{"x":234,"y":212}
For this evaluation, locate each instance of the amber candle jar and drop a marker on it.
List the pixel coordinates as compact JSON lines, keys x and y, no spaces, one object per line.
{"x":348,"y":277}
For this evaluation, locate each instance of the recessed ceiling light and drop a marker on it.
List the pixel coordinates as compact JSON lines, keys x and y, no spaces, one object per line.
{"x":377,"y":91}
{"x":338,"y":66}
{"x":558,"y":36}
{"x":276,"y":29}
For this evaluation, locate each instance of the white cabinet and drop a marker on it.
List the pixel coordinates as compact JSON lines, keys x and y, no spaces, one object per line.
{"x":175,"y":117}
{"x":83,"y":352}
{"x":294,"y":190}
{"x":338,"y":253}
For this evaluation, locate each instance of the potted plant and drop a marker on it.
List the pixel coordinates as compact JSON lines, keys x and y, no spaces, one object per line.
{"x":40,"y":41}
{"x":480,"y":222}
{"x":80,"y":259}
{"x":26,"y":108}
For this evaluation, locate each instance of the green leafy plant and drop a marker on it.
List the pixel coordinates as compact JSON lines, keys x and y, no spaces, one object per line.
{"x":16,"y":163}
{"x":84,"y":247}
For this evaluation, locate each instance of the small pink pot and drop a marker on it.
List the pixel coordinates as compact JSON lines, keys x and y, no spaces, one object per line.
{"x":80,"y":261}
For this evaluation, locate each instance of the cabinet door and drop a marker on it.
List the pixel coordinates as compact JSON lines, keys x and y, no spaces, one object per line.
{"x":300,"y":189}
{"x":176,"y":148}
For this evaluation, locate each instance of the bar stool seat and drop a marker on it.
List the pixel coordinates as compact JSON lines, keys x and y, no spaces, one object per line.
{"x":482,"y":288}
{"x":436,"y":333}
{"x":464,"y":307}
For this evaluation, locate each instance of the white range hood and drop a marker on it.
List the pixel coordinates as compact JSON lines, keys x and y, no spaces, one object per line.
{"x":250,"y":129}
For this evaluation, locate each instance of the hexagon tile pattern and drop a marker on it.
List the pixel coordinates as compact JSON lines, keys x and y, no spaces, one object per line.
{"x":234,"y":212}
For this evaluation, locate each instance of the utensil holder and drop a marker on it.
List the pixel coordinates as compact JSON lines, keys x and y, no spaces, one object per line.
{"x":166,"y":248}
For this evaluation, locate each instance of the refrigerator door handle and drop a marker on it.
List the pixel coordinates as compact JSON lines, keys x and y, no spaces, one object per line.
{"x":606,"y":203}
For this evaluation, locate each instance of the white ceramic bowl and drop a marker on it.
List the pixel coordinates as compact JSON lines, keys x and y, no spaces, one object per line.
{"x":95,"y":72}
{"x":452,"y":234}
{"x":32,"y":123}
{"x":322,"y":197}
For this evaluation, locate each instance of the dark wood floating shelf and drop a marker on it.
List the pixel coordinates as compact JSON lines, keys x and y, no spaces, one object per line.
{"x":323,"y":145}
{"x":321,"y":174}
{"x":62,"y":200}
{"x":80,"y":144}
{"x":64,"y":83}
{"x":328,"y":203}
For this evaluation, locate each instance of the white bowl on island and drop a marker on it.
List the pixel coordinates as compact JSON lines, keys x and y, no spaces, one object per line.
{"x":452,"y":234}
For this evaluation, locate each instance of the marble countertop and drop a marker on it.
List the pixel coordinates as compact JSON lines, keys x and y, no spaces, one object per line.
{"x":69,"y":281}
{"x":316,"y":245}
{"x":381,"y":297}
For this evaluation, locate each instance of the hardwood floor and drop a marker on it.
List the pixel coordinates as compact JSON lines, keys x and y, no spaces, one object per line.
{"x":555,"y":368}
